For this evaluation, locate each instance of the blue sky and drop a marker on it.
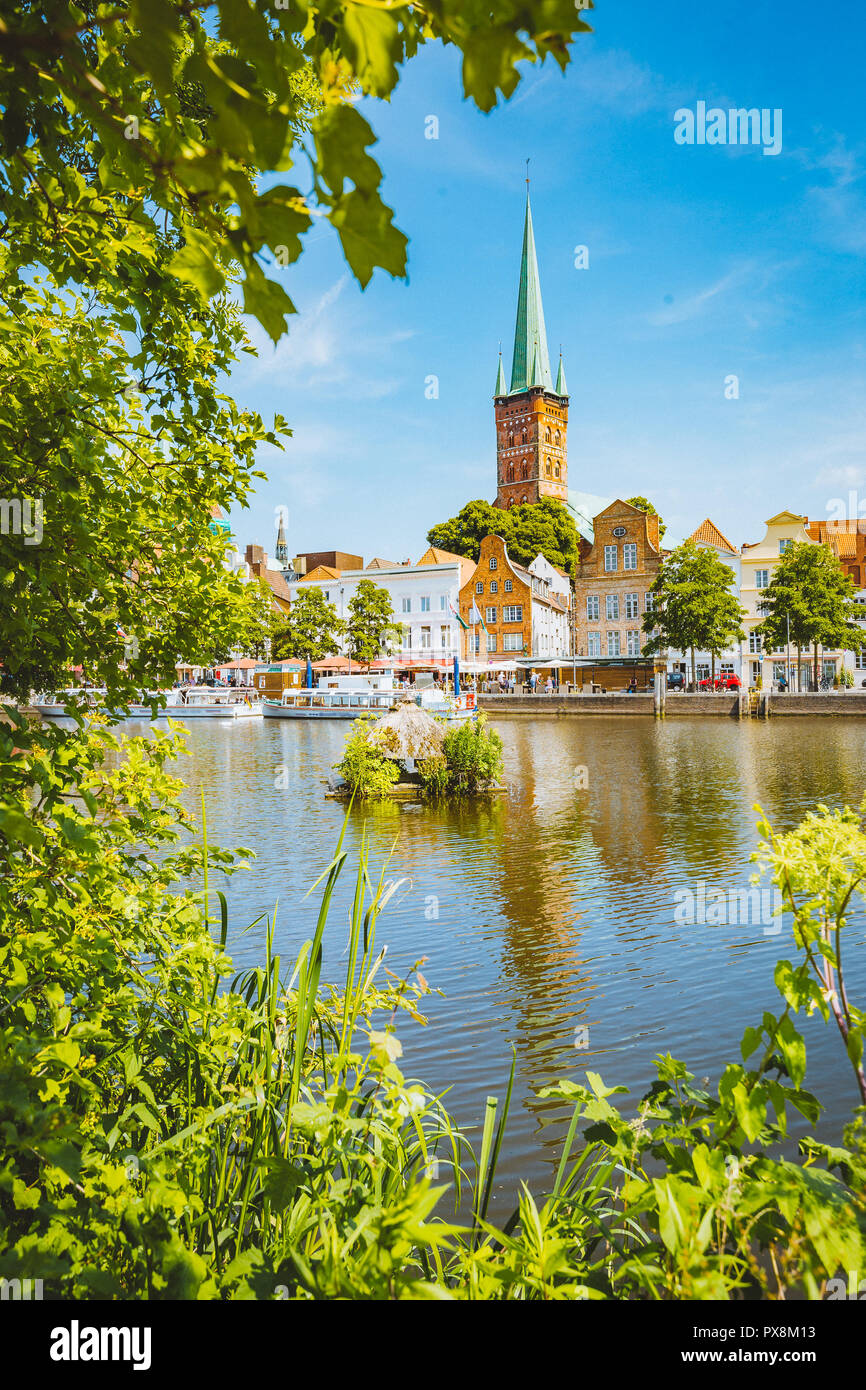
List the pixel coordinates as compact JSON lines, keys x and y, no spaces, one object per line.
{"x":704,"y":262}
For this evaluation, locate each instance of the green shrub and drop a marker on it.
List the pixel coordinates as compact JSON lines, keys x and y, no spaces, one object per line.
{"x":368,"y":773}
{"x":471,"y":761}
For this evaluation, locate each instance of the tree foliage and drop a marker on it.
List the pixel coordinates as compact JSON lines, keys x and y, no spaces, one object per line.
{"x":312,"y":628}
{"x":534,"y":528}
{"x":370,"y":625}
{"x":693,"y":608}
{"x":810,"y":601}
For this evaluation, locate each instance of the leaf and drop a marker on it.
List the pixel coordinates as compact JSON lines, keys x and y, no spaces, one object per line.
{"x":268,"y":302}
{"x":368,"y":236}
{"x":196,"y":264}
{"x":371,"y":43}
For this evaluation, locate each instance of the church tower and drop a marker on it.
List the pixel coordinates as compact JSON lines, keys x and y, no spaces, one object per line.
{"x":531,"y":413}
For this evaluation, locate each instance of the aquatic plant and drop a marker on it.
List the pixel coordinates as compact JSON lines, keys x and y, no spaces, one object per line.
{"x":470,"y":762}
{"x":367,"y":770}
{"x":172,"y":1129}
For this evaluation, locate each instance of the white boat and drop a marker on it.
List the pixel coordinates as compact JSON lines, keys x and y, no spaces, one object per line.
{"x":214,"y":702}
{"x":444,"y":706}
{"x":329,"y":704}
{"x":198,"y":702}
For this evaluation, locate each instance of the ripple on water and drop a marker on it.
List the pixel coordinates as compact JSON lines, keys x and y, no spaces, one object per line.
{"x":552,"y":909}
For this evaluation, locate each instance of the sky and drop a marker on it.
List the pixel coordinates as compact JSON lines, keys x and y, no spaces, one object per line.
{"x":705,"y":262}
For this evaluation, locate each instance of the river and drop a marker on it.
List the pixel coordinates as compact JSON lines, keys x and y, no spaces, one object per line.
{"x":548,"y":916}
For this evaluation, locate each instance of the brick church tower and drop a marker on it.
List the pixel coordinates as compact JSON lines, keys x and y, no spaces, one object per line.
{"x":531,"y":413}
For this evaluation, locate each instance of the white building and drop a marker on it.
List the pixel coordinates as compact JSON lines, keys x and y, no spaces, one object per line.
{"x":551,"y":609}
{"x":425,"y":598}
{"x":730,"y":662}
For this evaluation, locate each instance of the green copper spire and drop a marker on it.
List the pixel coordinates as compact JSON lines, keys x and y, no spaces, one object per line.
{"x":529,"y":331}
{"x":535,"y":374}
{"x":501,"y":388}
{"x":561,"y":388}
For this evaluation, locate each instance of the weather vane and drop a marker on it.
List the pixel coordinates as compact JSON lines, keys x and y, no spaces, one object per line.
{"x":527,"y":173}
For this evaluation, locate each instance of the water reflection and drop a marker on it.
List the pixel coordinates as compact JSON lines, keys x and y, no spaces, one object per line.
{"x":550,"y":908}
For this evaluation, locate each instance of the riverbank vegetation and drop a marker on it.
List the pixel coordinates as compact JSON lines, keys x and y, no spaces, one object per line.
{"x":174,"y":1129}
{"x":444,"y":761}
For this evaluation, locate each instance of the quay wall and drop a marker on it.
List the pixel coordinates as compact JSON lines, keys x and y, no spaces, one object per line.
{"x":677,"y":704}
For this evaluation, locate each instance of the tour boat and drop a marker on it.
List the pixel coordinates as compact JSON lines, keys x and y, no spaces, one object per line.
{"x":198,"y":702}
{"x":214,"y":702}
{"x":444,"y":706}
{"x":329,"y":704}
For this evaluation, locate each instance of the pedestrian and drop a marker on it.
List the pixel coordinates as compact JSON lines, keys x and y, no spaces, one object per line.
{"x":548,"y":686}
{"x":533,"y":679}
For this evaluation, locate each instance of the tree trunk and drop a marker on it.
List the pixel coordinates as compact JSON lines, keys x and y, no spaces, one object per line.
{"x":713,"y":667}
{"x":799,"y":665}
{"x":815,"y":664}
{"x":694,"y":677}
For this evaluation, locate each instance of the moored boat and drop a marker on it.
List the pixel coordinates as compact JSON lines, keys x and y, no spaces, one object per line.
{"x":329,"y":704}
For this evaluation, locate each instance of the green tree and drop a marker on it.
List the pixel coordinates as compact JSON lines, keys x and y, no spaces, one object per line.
{"x":312,"y":628}
{"x":812,"y":599}
{"x":463,"y":534}
{"x":371,"y":622}
{"x":646,"y":506}
{"x":544,"y":527}
{"x":692,"y":605}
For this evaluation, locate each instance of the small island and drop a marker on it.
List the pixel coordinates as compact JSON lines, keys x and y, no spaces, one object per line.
{"x":410,"y":753}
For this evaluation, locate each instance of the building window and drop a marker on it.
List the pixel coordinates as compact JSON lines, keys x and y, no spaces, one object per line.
{"x":407,"y":605}
{"x":443,"y":602}
{"x":629,"y":556}
{"x":494,"y":586}
{"x":631,"y":605}
{"x":593,"y":644}
{"x":512,"y":613}
{"x":508,"y":586}
{"x":610,"y":558}
{"x":762,"y":579}
{"x":426,"y":642}
{"x":491,"y":642}
{"x":490,"y":615}
{"x":611,"y":604}
{"x":445,"y":635}
{"x":547,"y":436}
{"x":613,"y":644}
{"x":479,"y":588}
{"x":785,"y":544}
{"x":512,"y":642}
{"x":556,"y":470}
{"x":632,"y":643}
{"x":592,"y":608}
{"x":425,"y":603}
{"x":493,"y":562}
{"x":860,"y":659}
{"x":702,"y":671}
{"x":647,"y":603}
{"x":755,"y":642}
{"x":407,"y":638}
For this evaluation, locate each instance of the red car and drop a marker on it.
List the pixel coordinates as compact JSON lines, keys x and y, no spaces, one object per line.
{"x":728,"y":682}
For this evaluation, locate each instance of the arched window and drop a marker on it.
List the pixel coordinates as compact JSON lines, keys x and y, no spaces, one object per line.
{"x":557,"y":437}
{"x":511,"y":441}
{"x":523,"y":498}
{"x":511,"y":473}
{"x":547,"y":468}
{"x":556,"y":470}
{"x":524,"y":436}
{"x":547,"y":435}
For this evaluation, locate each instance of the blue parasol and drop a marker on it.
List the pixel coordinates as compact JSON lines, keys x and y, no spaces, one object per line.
{"x":309,"y":674}
{"x":456,"y":675}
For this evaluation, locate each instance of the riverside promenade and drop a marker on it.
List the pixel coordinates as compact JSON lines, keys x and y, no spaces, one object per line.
{"x":676,"y":704}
